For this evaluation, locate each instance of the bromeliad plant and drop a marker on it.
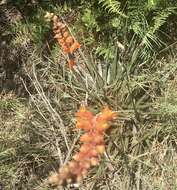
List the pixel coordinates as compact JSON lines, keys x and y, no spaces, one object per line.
{"x":93,"y":146}
{"x":94,"y":126}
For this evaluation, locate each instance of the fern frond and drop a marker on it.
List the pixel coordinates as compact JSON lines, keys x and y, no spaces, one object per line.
{"x":112,"y":6}
{"x":161,"y":18}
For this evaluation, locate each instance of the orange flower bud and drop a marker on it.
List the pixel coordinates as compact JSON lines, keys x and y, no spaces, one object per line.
{"x":59,"y":24}
{"x":100,"y":149}
{"x":87,"y":137}
{"x":107,"y":114}
{"x":55,"y":19}
{"x":72,"y":165}
{"x":84,"y":172}
{"x":74,"y":46}
{"x":69,"y":180}
{"x":79,"y":125}
{"x":84,"y":114}
{"x":79,"y":178}
{"x":66,"y":34}
{"x":94,"y":161}
{"x":54,"y":27}
{"x":98,"y":138}
{"x":71,"y":63}
{"x":92,"y":153}
{"x":58,"y":31}
{"x":85,"y":148}
{"x":78,"y":157}
{"x":102,"y":126}
{"x":65,"y":48}
{"x":61,"y":41}
{"x":85,"y":164}
{"x":57,"y":36}
{"x":84,"y":124}
{"x":69,"y":40}
{"x":54,"y":179}
{"x":63,"y":27}
{"x":64,"y":171}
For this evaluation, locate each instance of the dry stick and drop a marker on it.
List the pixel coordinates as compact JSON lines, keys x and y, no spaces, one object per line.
{"x":72,"y":147}
{"x":57,"y":142}
{"x":139,"y":180}
{"x":49,"y":107}
{"x":32,"y":97}
{"x":39,"y":110}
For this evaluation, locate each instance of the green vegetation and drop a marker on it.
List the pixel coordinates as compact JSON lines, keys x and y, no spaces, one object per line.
{"x":127,"y":60}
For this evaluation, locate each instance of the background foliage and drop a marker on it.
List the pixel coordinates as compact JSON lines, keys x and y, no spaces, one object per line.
{"x":127,"y":60}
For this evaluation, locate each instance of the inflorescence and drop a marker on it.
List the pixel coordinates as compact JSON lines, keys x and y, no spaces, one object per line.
{"x":92,"y":147}
{"x":67,"y":42}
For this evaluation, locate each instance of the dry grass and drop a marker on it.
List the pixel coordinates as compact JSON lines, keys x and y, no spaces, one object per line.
{"x":38,"y":134}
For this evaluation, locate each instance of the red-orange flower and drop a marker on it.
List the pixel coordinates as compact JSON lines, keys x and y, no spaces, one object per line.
{"x":91,"y":149}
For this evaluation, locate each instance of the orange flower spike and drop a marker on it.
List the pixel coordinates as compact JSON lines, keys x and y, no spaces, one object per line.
{"x":91,"y":149}
{"x":64,"y":38}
